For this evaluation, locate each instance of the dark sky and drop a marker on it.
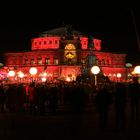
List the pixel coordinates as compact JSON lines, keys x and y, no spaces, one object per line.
{"x":114,"y":26}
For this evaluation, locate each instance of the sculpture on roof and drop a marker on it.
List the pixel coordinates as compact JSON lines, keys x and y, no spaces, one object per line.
{"x":69,"y":31}
{"x":90,"y":42}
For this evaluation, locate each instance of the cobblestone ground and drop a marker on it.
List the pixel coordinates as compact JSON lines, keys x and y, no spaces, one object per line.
{"x":64,"y":125}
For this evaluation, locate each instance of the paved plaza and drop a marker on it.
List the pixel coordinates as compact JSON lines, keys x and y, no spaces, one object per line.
{"x":65,"y":125}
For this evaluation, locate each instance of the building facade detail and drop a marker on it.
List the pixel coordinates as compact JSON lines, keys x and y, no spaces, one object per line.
{"x":63,"y":53}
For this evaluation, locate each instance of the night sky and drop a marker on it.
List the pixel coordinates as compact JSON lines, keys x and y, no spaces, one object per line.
{"x":114,"y":26}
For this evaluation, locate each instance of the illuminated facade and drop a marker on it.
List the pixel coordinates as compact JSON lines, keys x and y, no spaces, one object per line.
{"x":65,"y":53}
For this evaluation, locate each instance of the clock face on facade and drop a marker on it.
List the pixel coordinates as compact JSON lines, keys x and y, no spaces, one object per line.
{"x":70,"y":47}
{"x":70,"y":51}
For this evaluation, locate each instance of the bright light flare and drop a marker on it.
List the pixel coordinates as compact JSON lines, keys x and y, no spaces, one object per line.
{"x":43,"y":79}
{"x":137,"y":69}
{"x":33,"y":71}
{"x":20,"y":74}
{"x":119,"y":75}
{"x":11,"y":73}
{"x":95,"y":70}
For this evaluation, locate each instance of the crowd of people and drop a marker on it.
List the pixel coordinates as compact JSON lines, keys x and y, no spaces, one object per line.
{"x":73,"y":96}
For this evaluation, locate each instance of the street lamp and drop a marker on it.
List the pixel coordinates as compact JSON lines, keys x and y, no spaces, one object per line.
{"x":137,"y":69}
{"x":128,"y":66}
{"x":95,"y":70}
{"x":119,"y":76}
{"x":20,"y":75}
{"x":43,"y":79}
{"x":11,"y":73}
{"x":33,"y":72}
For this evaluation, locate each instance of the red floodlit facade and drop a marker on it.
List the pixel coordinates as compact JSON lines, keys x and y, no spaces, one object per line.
{"x":64,"y":53}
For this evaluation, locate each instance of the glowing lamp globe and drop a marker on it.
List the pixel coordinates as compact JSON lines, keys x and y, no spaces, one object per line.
{"x":95,"y":70}
{"x":21,"y":75}
{"x":119,"y":75}
{"x":68,"y":79}
{"x":44,"y":74}
{"x":33,"y":71}
{"x":11,"y":73}
{"x":137,"y":69}
{"x":43,"y":79}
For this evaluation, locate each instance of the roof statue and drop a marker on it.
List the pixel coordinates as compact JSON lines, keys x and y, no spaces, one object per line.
{"x":69,"y":32}
{"x":90,"y":42}
{"x":61,"y":31}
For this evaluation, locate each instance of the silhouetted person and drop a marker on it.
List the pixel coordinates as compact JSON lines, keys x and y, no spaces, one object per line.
{"x":32,"y":97}
{"x":53,"y":100}
{"x":120,"y":104}
{"x":103,"y":99}
{"x":2,"y":98}
{"x":78,"y":96}
{"x":134,"y":89}
{"x":42,"y":97}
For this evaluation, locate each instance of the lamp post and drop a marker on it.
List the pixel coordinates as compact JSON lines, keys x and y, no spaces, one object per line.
{"x":11,"y":74}
{"x":128,"y":66}
{"x":20,"y":75}
{"x":137,"y":71}
{"x":119,"y":76}
{"x":33,"y":72}
{"x":95,"y":70}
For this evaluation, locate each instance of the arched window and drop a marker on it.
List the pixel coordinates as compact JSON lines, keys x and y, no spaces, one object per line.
{"x":39,"y":61}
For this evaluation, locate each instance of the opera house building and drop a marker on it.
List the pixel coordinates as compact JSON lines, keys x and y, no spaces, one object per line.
{"x":64,"y":53}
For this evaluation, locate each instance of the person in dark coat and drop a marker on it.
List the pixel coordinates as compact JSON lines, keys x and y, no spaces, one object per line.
{"x":103,"y":100}
{"x":134,"y":89}
{"x":120,"y":104}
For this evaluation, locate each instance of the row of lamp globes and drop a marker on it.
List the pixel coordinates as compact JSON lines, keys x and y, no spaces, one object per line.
{"x":12,"y":73}
{"x":95,"y":70}
{"x":33,"y":71}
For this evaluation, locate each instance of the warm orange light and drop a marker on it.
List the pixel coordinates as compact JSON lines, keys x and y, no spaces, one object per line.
{"x":95,"y":70}
{"x":68,"y":79}
{"x":137,"y":69}
{"x":132,"y":72}
{"x":119,"y":75}
{"x":43,"y":79}
{"x":11,"y":73}
{"x":20,"y":74}
{"x":33,"y":71}
{"x":44,"y":74}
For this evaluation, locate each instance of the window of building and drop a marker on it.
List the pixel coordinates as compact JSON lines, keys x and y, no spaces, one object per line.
{"x":39,"y":42}
{"x":83,"y":61}
{"x":103,"y":62}
{"x":55,"y":61}
{"x":45,"y":42}
{"x":97,"y":61}
{"x":56,"y":41}
{"x":39,"y":61}
{"x":32,"y":62}
{"x":85,"y":43}
{"x":107,"y":62}
{"x":50,"y":42}
{"x":47,"y":60}
{"x":55,"y":74}
{"x":26,"y":61}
